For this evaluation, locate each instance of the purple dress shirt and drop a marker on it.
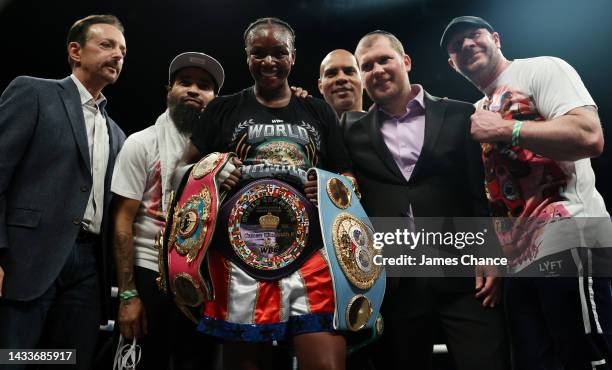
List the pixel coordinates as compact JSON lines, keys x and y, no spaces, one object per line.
{"x":404,"y":135}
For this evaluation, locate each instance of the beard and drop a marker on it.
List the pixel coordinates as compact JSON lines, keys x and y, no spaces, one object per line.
{"x":483,"y":69}
{"x":184,"y":116}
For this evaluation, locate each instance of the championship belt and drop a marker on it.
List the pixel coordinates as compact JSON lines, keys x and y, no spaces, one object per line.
{"x":348,"y":236}
{"x":271,"y":229}
{"x":190,"y":225}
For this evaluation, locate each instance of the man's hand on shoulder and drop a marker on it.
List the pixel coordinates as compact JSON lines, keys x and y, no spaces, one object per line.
{"x":300,"y":92}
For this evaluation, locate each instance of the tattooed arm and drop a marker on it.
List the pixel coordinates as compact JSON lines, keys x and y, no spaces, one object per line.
{"x":132,"y":318}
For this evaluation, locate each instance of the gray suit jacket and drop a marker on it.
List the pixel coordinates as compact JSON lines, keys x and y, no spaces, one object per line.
{"x":45,"y":181}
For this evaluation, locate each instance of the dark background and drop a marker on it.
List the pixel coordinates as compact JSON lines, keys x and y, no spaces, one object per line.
{"x":33,"y":43}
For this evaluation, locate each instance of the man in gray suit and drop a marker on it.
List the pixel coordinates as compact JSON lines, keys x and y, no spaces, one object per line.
{"x":57,"y":152}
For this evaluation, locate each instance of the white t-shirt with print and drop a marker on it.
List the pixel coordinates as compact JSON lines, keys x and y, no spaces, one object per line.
{"x":523,"y":184}
{"x":137,"y":176}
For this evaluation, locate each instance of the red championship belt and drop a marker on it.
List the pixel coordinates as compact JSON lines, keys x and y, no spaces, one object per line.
{"x":189,"y":230}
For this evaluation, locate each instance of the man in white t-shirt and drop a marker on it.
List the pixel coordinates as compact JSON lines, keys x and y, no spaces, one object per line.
{"x":539,"y":127}
{"x":142,"y":181}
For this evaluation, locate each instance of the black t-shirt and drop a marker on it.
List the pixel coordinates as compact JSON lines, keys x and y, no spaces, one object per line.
{"x":273,"y":142}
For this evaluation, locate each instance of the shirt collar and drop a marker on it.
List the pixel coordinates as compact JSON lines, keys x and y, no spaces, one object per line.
{"x":86,"y":97}
{"x":414,"y":107}
{"x":490,"y":89}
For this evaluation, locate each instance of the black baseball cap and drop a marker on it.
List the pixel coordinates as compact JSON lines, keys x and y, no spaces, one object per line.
{"x":197,"y":60}
{"x":462,"y":22}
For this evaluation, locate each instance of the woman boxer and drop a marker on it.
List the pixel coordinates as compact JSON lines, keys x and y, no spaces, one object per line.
{"x":276,"y":135}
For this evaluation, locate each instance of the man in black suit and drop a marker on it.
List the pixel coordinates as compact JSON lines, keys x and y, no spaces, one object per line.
{"x":57,"y":152}
{"x":413,"y":155}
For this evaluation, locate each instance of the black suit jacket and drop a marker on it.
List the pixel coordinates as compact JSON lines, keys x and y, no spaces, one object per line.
{"x":448,"y":178}
{"x":45,"y":181}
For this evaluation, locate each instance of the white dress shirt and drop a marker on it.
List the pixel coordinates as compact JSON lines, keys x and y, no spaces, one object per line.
{"x":99,"y":147}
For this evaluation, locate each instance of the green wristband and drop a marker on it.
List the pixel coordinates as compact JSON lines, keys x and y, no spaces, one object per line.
{"x":127,"y":294}
{"x":516,"y":132}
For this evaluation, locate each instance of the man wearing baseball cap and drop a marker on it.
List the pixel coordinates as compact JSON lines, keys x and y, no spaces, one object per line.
{"x":538,"y":127}
{"x":142,"y":185}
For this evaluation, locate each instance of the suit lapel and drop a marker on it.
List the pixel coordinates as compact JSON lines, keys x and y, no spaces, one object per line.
{"x":434,"y":119}
{"x":380,"y":146}
{"x":112,"y":144}
{"x":72,"y":102}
